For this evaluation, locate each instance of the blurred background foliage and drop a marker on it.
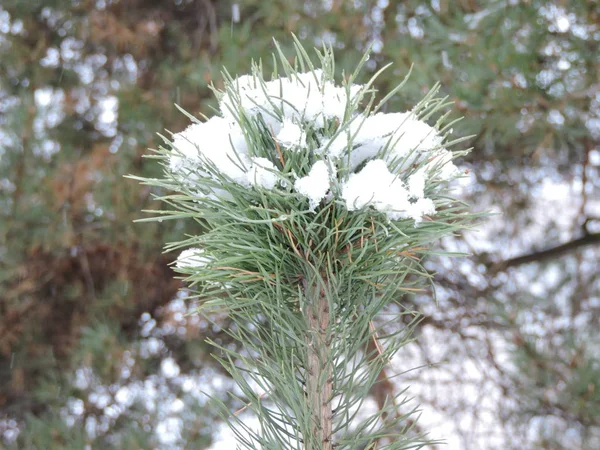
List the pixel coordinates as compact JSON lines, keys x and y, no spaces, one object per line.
{"x":96,"y":350}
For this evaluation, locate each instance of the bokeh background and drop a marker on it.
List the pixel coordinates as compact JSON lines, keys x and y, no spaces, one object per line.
{"x":96,"y":349}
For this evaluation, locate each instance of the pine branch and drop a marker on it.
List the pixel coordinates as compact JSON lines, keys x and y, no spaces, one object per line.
{"x":311,"y":232}
{"x":319,"y":384}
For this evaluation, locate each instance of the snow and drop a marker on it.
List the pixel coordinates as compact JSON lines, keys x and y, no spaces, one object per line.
{"x":391,"y":136}
{"x":398,"y":135}
{"x":382,"y":160}
{"x":416,"y":183}
{"x":376,"y":186}
{"x":315,"y":185}
{"x":262,"y":173}
{"x":291,"y":134}
{"x":304,"y":97}
{"x":414,"y":135}
{"x":216,"y":140}
{"x":336,"y":145}
{"x":442,"y":160}
{"x":192,"y":258}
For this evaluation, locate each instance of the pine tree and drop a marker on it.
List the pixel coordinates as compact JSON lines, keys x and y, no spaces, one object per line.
{"x":87,"y":306}
{"x":315,"y":216}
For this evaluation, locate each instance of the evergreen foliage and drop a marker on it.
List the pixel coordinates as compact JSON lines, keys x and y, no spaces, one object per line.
{"x":304,"y":281}
{"x":88,"y":305}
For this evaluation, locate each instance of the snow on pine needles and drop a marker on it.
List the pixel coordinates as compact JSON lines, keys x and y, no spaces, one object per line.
{"x":360,"y":158}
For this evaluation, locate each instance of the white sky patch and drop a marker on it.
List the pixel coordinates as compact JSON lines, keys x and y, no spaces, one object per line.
{"x":235,"y":12}
{"x":124,"y":396}
{"x":169,"y":430}
{"x":169,"y":368}
{"x":434,"y":385}
{"x":562,"y":23}
{"x":109,"y":106}
{"x":225,"y":440}
{"x":315,"y":185}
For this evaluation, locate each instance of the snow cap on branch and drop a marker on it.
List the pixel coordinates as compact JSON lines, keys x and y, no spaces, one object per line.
{"x":192,"y":258}
{"x":262,"y":173}
{"x":315,"y":185}
{"x":217,"y":141}
{"x":376,"y":186}
{"x":377,"y":160}
{"x":307,"y":199}
{"x":291,"y":134}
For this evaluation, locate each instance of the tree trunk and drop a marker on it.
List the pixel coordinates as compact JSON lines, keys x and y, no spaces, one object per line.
{"x":319,"y":381}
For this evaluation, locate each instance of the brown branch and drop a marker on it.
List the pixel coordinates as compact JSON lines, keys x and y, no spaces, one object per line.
{"x":553,"y":252}
{"x":319,"y":380}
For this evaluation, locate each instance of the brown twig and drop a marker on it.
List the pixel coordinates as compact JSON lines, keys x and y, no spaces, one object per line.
{"x":553,"y":252}
{"x":247,"y":405}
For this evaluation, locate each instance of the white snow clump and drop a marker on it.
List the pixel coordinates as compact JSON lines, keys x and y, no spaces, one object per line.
{"x":376,"y":186}
{"x":192,"y":258}
{"x":315,"y":185}
{"x":354,"y":150}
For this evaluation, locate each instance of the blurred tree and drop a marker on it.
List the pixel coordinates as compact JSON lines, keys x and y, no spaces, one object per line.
{"x":95,"y":347}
